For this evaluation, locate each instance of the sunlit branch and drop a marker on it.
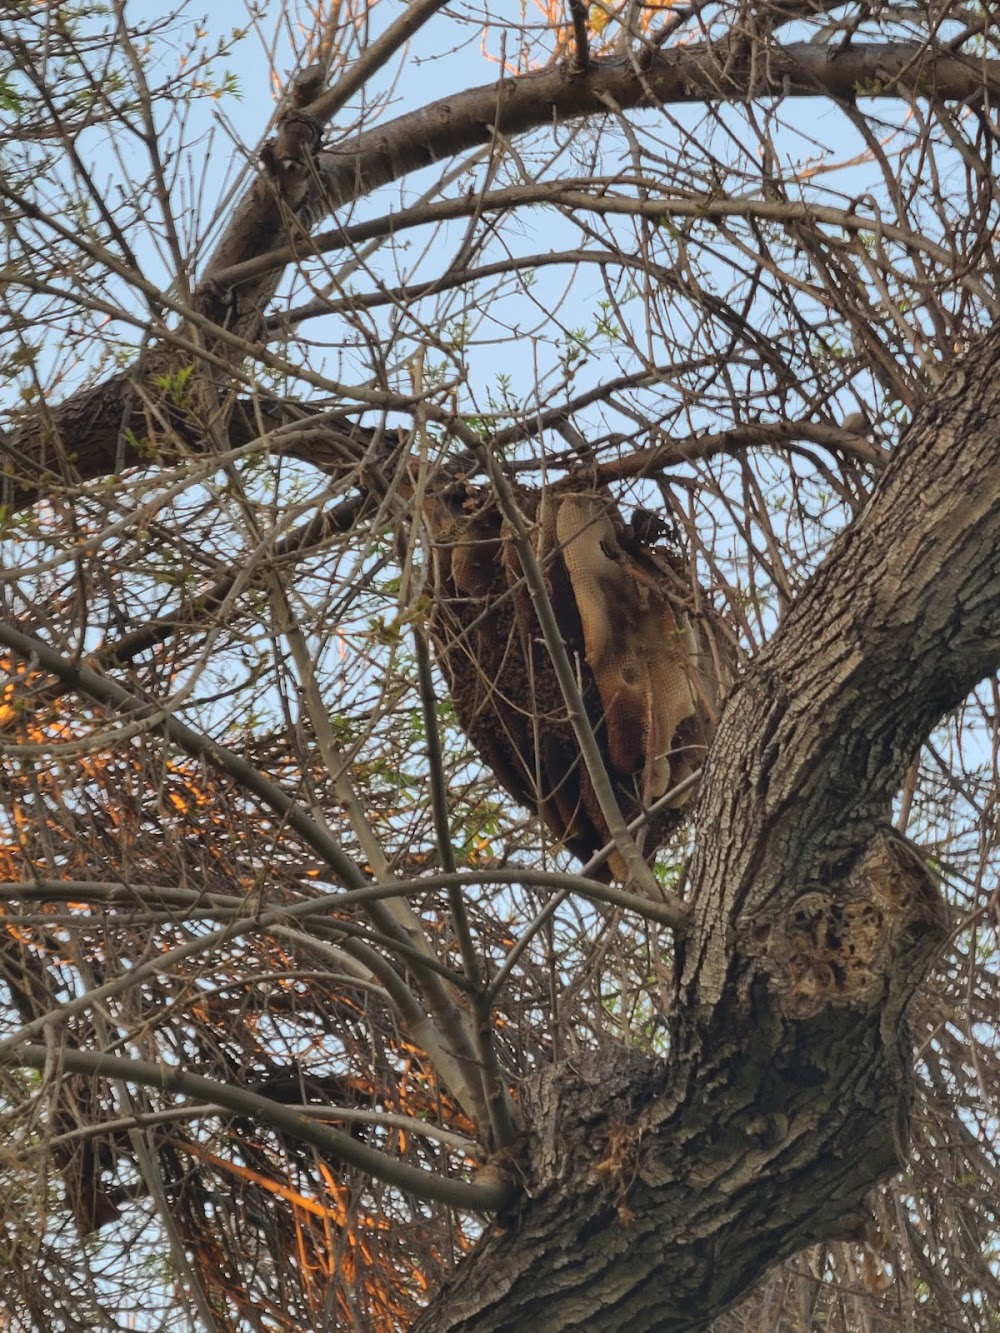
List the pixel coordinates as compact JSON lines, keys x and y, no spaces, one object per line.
{"x":194,"y":743}
{"x":240,"y":921}
{"x":245,"y":922}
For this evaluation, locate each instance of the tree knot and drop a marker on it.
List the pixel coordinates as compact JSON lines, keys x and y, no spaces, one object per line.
{"x":288,"y":159}
{"x":866,"y":942}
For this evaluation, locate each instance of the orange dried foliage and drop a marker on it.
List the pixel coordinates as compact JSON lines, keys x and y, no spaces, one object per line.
{"x":337,"y":1211}
{"x":128,"y":809}
{"x":119,"y":782}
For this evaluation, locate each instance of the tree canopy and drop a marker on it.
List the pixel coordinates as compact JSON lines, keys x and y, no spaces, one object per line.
{"x":500,"y":615}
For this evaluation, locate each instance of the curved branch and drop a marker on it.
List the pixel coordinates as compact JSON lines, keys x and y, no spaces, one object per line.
{"x":672,"y":453}
{"x":558,"y":194}
{"x":695,"y":73}
{"x":786,"y":1092}
{"x":484,"y":1197}
{"x":894,"y":629}
{"x":254,"y":249}
{"x":513,"y":106}
{"x":221,"y":906}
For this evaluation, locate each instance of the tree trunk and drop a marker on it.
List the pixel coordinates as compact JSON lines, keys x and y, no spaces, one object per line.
{"x":657,"y":1193}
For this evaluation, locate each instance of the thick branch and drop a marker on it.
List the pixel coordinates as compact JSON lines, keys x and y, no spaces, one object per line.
{"x":683,"y":74}
{"x":894,"y":630}
{"x":35,"y":462}
{"x":659,"y":1193}
{"x":92,"y":422}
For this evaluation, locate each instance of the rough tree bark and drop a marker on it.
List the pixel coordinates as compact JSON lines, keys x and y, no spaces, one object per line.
{"x":655,"y":1195}
{"x":94,"y":433}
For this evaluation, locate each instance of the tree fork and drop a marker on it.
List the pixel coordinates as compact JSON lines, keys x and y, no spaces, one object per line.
{"x":657,"y":1193}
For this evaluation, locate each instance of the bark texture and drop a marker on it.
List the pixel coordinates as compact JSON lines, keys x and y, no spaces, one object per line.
{"x":655,"y":1195}
{"x":100,"y":431}
{"x":103,"y":429}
